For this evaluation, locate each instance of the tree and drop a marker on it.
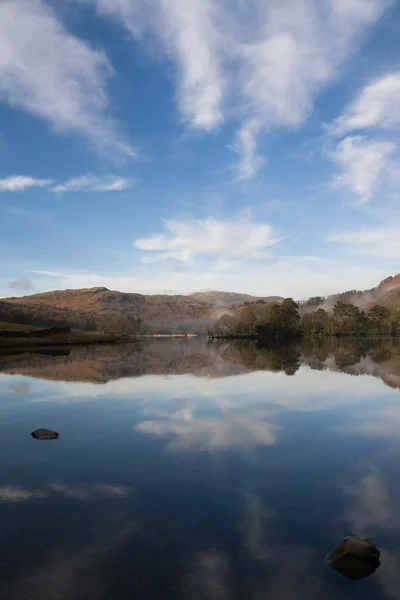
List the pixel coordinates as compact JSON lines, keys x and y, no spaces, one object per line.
{"x":249,"y":319}
{"x":380,"y":318}
{"x":225,"y":326}
{"x":289,"y":312}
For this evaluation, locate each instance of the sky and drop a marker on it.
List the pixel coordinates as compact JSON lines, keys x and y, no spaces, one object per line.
{"x":170,"y":146}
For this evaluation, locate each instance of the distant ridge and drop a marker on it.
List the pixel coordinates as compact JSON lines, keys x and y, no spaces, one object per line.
{"x":229,"y":299}
{"x":115,"y":312}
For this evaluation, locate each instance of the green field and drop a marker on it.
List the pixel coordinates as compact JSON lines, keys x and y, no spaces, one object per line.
{"x":52,"y":339}
{"x":8,"y":326}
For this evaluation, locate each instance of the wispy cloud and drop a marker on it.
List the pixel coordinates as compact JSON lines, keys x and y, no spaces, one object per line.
{"x":53,"y":74}
{"x":186,"y":240}
{"x":83,"y":183}
{"x":298,"y":277}
{"x":188,"y":32}
{"x":22,"y":283}
{"x":49,"y":273}
{"x":376,"y":106}
{"x":365,"y":162}
{"x":362,"y":163}
{"x":382,"y":242}
{"x":91,"y":183}
{"x":263,"y":62}
{"x":18,"y":183}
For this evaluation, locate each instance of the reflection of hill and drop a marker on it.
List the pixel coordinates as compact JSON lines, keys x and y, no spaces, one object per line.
{"x":99,"y":364}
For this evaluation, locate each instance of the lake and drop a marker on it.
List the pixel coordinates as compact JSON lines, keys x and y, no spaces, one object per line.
{"x":193,"y":470}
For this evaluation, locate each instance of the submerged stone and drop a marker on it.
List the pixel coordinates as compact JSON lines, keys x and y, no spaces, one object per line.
{"x":355,"y":558}
{"x":44,"y":434}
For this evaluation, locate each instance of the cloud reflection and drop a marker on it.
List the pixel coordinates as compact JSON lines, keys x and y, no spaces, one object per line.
{"x":21,"y":388}
{"x":382,"y":422}
{"x":212,"y":434}
{"x":83,"y":492}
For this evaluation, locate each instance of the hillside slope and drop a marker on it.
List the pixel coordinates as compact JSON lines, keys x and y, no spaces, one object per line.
{"x":229,"y":299}
{"x":102,"y":307}
{"x":121,"y":313}
{"x":386,"y":293}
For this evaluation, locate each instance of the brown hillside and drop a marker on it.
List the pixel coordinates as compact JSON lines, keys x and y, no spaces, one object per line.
{"x":386,"y":293}
{"x":229,"y":299}
{"x":159,"y":311}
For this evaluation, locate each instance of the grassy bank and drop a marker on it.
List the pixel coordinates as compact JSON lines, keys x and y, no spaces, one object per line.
{"x":12,"y":335}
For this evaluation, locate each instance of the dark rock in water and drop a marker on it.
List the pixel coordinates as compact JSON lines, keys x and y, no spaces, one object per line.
{"x":355,"y":568}
{"x":44,"y":434}
{"x":355,"y":558}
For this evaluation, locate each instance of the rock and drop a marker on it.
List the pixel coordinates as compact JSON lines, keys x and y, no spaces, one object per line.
{"x":44,"y":434}
{"x":355,"y":568}
{"x":355,"y":558}
{"x":359,"y":547}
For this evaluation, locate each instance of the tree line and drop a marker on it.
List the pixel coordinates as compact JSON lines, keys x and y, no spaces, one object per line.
{"x":273,"y":320}
{"x":349,"y":320}
{"x":277,"y":321}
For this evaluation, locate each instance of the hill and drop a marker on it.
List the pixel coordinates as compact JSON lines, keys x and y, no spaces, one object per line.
{"x":108,"y":311}
{"x":229,"y":299}
{"x":386,"y":293}
{"x":117,"y":313}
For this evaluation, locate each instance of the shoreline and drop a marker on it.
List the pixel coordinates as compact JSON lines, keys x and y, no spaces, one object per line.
{"x":78,"y":340}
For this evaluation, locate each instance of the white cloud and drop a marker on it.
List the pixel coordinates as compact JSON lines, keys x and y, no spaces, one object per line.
{"x":365,"y":162}
{"x":84,"y":183}
{"x":90,"y":183}
{"x":49,"y":273}
{"x":245,"y":145}
{"x":299,"y":277}
{"x":382,"y":242}
{"x":53,"y":74}
{"x":18,"y":183}
{"x":188,"y":33}
{"x":186,"y":240}
{"x":362,"y":163}
{"x":262,"y":62}
{"x":376,"y":106}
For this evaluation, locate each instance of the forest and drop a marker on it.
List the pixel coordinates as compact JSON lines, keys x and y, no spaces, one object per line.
{"x":280,"y":321}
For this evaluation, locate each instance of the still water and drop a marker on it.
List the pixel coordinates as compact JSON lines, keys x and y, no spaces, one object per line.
{"x":187,"y":470}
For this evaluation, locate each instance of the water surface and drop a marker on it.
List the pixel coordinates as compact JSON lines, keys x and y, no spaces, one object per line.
{"x":191,"y":470}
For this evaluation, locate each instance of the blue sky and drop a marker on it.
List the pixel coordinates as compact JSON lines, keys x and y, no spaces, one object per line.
{"x":162,"y":146}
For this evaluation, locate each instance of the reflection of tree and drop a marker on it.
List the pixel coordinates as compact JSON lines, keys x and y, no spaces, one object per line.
{"x":376,"y":357}
{"x":348,"y":352}
{"x":262,"y":356}
{"x":381,"y":353}
{"x":99,"y":364}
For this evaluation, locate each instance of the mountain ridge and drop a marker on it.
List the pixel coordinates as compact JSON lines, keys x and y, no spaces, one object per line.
{"x":227,"y":299}
{"x":111,"y":310}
